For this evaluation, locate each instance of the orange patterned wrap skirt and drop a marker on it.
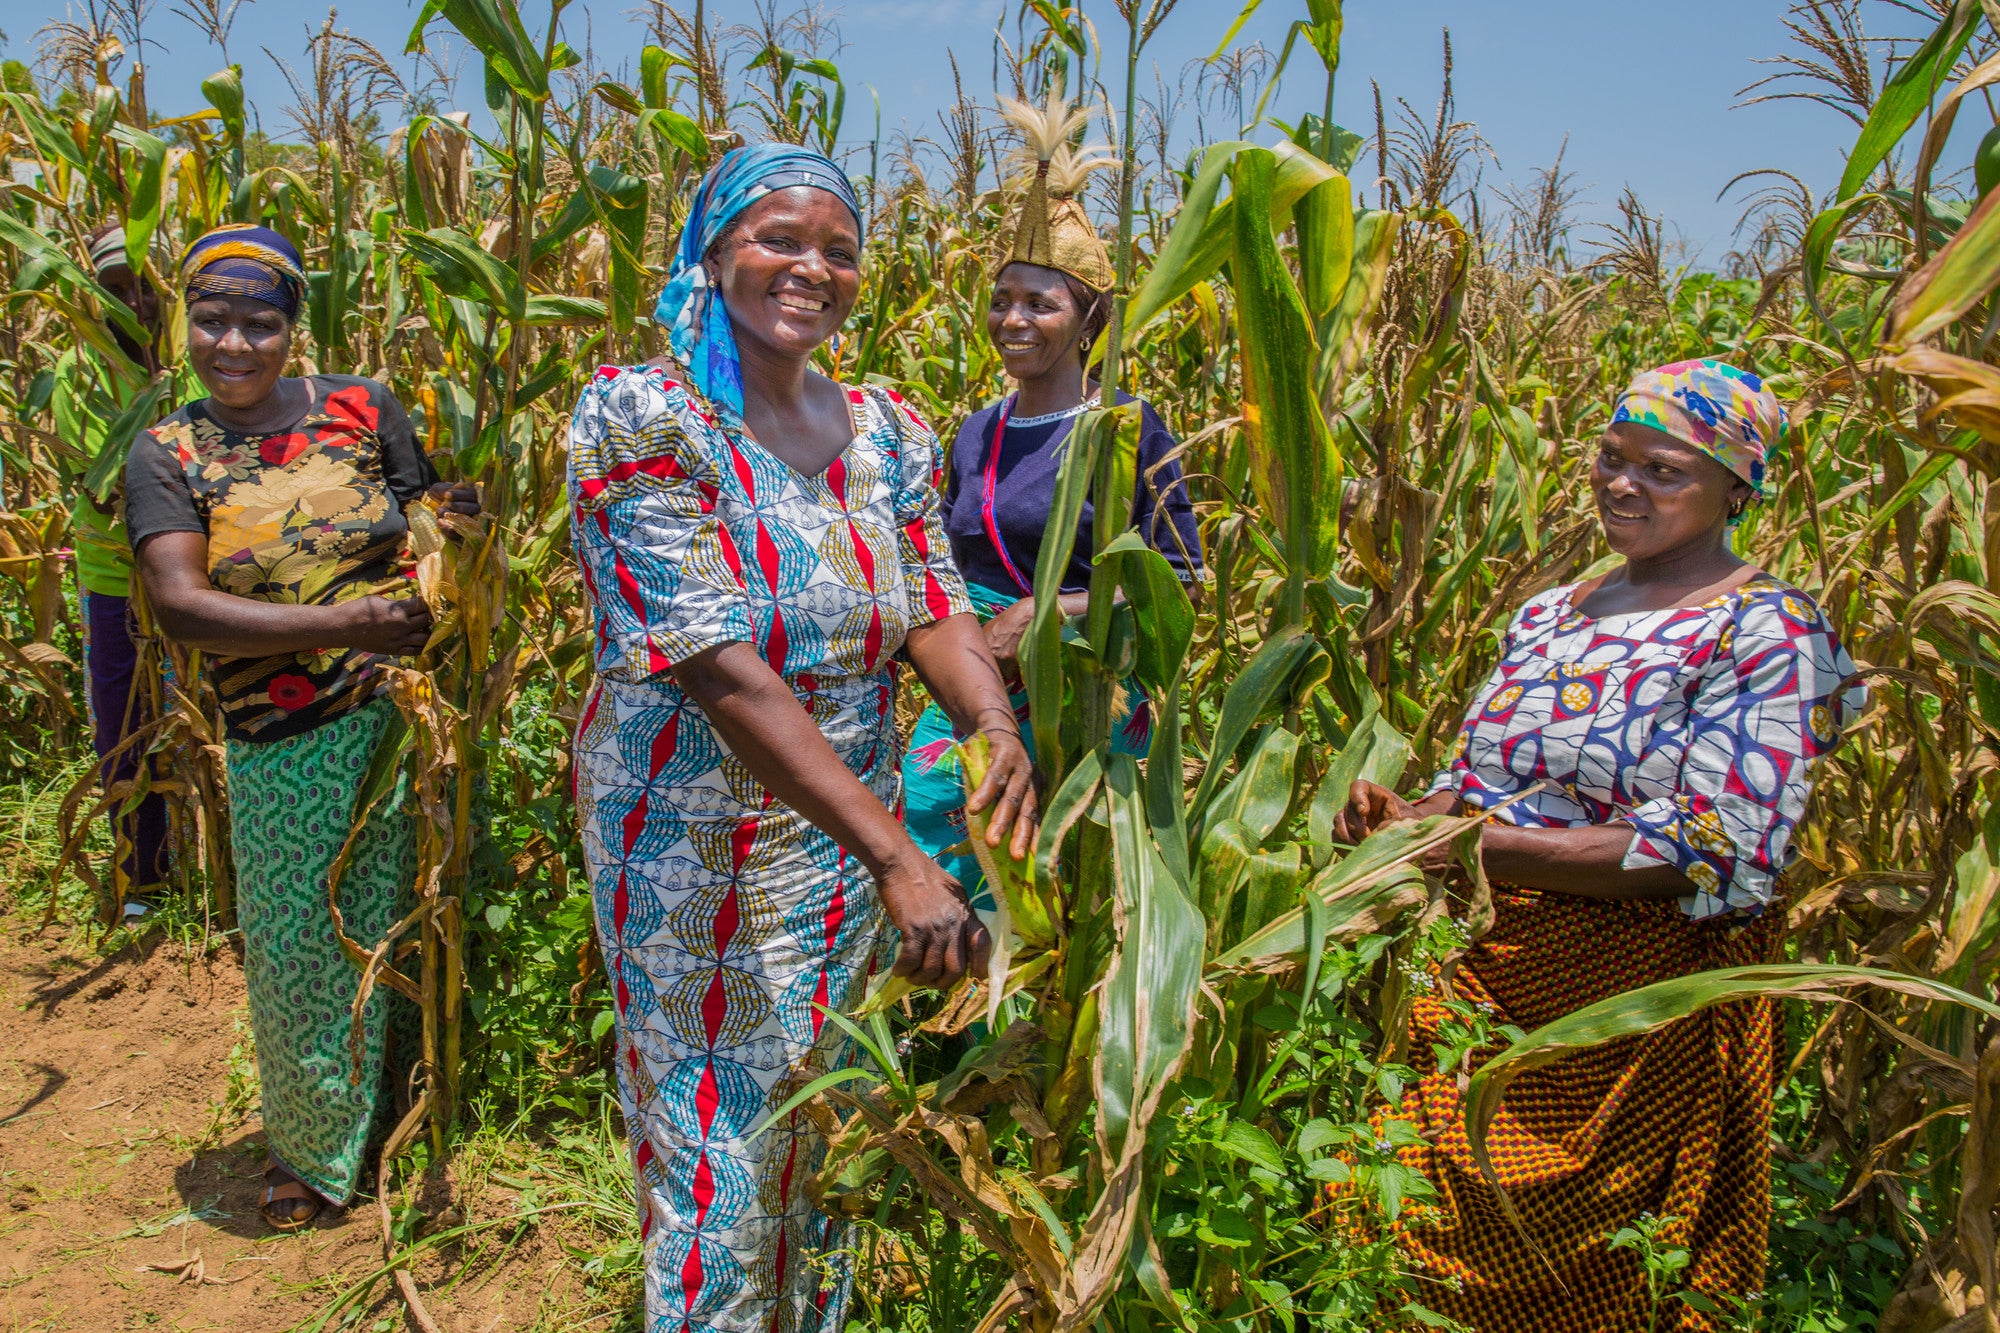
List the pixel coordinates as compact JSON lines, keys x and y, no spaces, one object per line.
{"x":1674,"y":1124}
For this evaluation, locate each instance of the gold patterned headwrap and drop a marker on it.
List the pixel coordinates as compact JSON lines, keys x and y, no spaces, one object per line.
{"x":1049,"y":227}
{"x":243,"y":259}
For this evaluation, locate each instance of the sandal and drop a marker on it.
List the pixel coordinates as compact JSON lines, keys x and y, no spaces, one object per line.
{"x":289,"y":1204}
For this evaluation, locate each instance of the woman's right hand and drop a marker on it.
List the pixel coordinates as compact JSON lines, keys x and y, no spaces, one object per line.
{"x":943,"y":938}
{"x":392,"y":626}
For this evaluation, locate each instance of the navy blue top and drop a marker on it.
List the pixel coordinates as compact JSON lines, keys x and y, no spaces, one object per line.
{"x":1024,"y":492}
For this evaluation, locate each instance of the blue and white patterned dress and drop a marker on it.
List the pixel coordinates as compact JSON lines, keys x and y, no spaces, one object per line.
{"x":727,"y":919}
{"x":1699,"y":726}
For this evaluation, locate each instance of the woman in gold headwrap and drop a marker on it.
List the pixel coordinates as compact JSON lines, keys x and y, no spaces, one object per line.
{"x":1052,"y":276}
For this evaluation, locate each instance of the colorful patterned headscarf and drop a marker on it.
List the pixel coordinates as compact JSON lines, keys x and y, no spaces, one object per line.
{"x":242,"y":259}
{"x":697,"y":324}
{"x":1726,"y":413}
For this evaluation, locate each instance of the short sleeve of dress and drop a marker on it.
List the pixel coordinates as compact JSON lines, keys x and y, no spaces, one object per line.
{"x":1535,"y":612}
{"x":664,"y":577}
{"x":937,"y":588}
{"x":406,"y":468}
{"x":157,"y":496}
{"x":1773,"y":701}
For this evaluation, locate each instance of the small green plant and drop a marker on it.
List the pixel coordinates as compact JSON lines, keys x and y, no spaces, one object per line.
{"x":241,"y":1090}
{"x":1653,"y":1240}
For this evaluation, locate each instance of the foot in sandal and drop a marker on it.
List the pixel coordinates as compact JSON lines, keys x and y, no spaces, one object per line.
{"x":289,"y":1204}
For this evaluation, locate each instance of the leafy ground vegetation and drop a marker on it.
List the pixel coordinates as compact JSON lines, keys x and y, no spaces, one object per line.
{"x":1387,"y":387}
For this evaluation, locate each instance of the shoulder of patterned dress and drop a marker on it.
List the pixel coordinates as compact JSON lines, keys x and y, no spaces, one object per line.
{"x":1768,"y":612}
{"x":1543,"y":612}
{"x":873,"y":406}
{"x":637,"y":427}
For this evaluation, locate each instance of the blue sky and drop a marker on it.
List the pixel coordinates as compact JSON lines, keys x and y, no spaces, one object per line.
{"x":1644,"y":100}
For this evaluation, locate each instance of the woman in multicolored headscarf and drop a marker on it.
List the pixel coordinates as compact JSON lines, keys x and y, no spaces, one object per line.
{"x":760,"y":544}
{"x":1050,"y":300}
{"x":262,"y":517}
{"x":1657,"y":729}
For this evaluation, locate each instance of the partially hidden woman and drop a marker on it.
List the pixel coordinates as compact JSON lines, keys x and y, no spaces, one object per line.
{"x":1049,"y":303}
{"x":1657,"y":729}
{"x":761,"y":545}
{"x":262,"y":516}
{"x":93,"y":387}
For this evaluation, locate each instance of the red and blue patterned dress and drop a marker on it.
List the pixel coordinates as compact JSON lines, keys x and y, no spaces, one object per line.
{"x":727,"y":920}
{"x":1699,"y":727}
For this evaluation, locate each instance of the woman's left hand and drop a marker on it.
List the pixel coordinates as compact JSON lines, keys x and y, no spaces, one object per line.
{"x":1004,"y":634}
{"x":455,"y":497}
{"x":1009,"y":789}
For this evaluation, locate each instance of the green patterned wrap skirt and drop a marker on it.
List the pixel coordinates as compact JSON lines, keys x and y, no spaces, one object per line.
{"x":291,"y":803}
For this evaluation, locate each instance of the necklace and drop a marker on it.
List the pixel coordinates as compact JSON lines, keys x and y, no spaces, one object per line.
{"x":1050,"y":418}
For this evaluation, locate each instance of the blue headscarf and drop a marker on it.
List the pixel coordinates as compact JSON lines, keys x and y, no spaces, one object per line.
{"x":243,"y":259}
{"x":697,"y":323}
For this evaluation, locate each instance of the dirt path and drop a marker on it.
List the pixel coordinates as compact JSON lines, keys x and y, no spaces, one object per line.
{"x":123,"y":1145}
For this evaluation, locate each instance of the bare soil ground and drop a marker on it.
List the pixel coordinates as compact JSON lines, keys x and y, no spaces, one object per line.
{"x":129,"y":1173}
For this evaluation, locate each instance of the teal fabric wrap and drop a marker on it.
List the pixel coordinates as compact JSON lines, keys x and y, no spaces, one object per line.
{"x":934,"y":792}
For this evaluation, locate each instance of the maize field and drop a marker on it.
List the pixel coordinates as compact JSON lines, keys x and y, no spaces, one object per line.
{"x":1388,"y":391}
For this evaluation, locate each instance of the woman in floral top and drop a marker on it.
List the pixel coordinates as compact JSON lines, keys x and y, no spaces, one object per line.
{"x":1652,"y":735}
{"x":263,"y":517}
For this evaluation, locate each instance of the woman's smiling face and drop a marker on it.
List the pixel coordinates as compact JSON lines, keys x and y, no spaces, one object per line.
{"x":789,"y":269}
{"x":1656,"y":494}
{"x":1033,"y":321}
{"x":238,"y":347}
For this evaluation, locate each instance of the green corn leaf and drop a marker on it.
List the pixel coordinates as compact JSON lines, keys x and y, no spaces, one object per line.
{"x":1226,"y":850}
{"x":806,"y":1094}
{"x":1907,"y":94}
{"x":142,"y":208}
{"x":1376,"y":752}
{"x":1653,"y":1007}
{"x":1324,"y":216}
{"x":677,"y":129}
{"x":1261,"y":792}
{"x":1201,"y":239}
{"x":1361,"y":891}
{"x":1361,"y":909}
{"x":1293,"y":459}
{"x":1160,"y":608}
{"x":1954,"y":280}
{"x":564,"y":310}
{"x":1228,"y":38}
{"x":494,"y":29}
{"x":1060,"y":812}
{"x":1166,"y":790}
{"x":224,"y":92}
{"x":1342,"y":334}
{"x":1146,"y":1011}
{"x":109,"y":465}
{"x":1261,"y":686}
{"x":1041,"y":647}
{"x":466,"y":271}
{"x":573,"y":217}
{"x":654,"y":64}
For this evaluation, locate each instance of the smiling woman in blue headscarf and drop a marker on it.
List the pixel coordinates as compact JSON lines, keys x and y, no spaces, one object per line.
{"x":760,"y":544}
